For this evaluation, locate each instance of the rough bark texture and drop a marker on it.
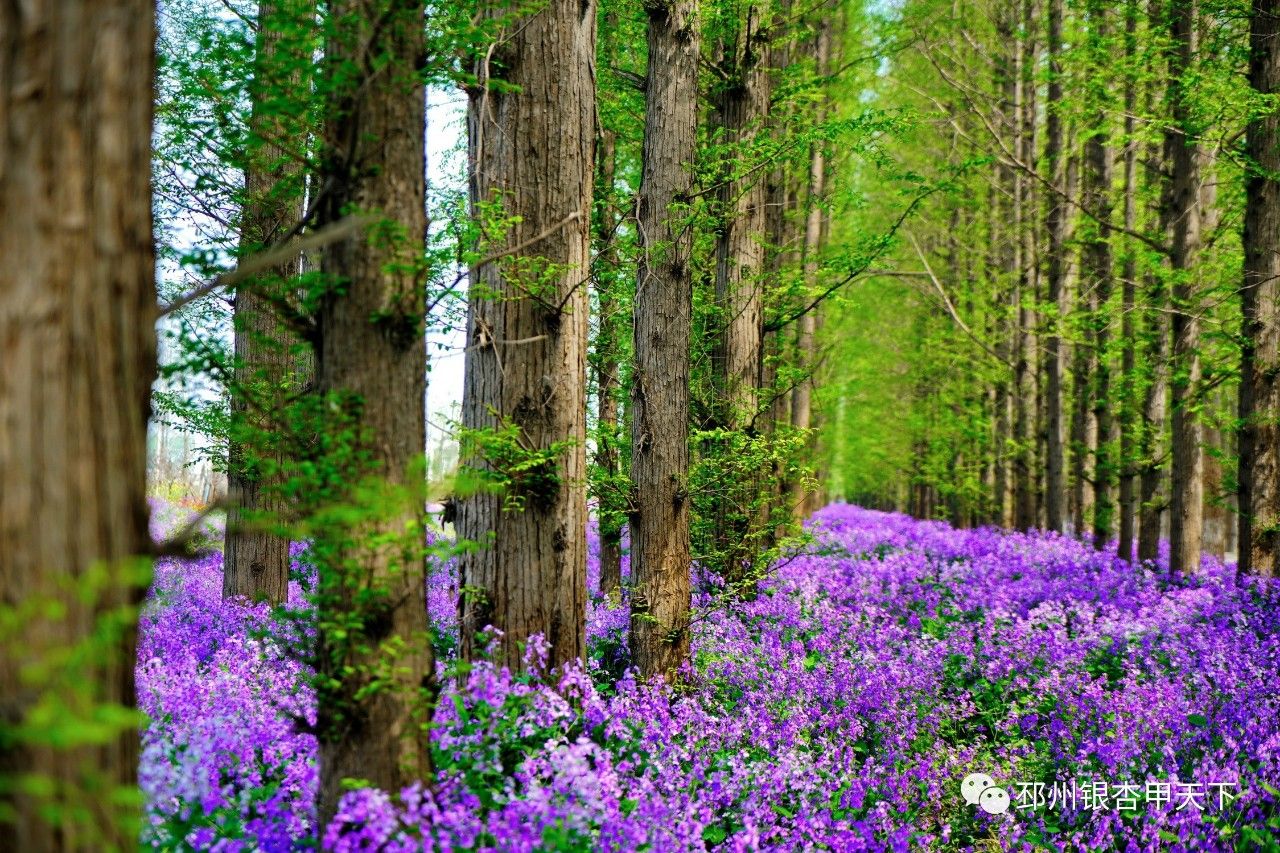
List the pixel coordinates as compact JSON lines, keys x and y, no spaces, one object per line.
{"x":1187,"y":489}
{"x":255,"y":561}
{"x":531,"y":151}
{"x":1259,"y":476}
{"x":1056,"y":217}
{"x":740,"y":108}
{"x":77,"y":307}
{"x":371,"y":360}
{"x":660,"y":601}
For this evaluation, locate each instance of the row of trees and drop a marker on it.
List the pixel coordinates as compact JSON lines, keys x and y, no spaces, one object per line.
{"x":641,"y":236}
{"x":1092,"y":345}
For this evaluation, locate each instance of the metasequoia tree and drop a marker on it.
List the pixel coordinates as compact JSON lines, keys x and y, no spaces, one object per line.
{"x":77,"y":308}
{"x":373,"y":655}
{"x":530,"y":146}
{"x":660,"y":600}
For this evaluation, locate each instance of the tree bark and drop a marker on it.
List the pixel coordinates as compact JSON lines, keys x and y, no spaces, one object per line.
{"x":1099,"y":280}
{"x":531,"y":151}
{"x":1187,"y":490}
{"x":1056,"y":216}
{"x":661,"y":602}
{"x":1259,"y":476}
{"x":255,"y":560}
{"x":606,"y":370}
{"x":741,"y":105}
{"x":371,"y":364}
{"x":807,"y":325}
{"x":1128,"y":478}
{"x":1025,"y":497}
{"x":77,"y":308}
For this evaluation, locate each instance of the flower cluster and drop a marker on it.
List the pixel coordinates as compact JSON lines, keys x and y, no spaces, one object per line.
{"x":839,"y":710}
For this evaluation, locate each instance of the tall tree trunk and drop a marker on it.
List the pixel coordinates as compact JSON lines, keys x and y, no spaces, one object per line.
{"x":1098,"y":276}
{"x":1187,"y":495}
{"x":660,"y":602}
{"x":371,"y":364}
{"x":1129,"y":274}
{"x":1084,"y":432}
{"x":1056,"y":216}
{"x":740,"y":107}
{"x":531,"y":151}
{"x":606,"y":370}
{"x":1006,"y":244}
{"x":77,"y":308}
{"x":1259,"y":477}
{"x":1024,"y":271}
{"x":255,"y":560}
{"x":806,"y":346}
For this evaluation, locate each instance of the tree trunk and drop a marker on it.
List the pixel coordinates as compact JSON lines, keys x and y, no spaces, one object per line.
{"x":806,"y":346}
{"x":1084,"y":432}
{"x":606,"y":370}
{"x":1187,"y":495}
{"x":77,"y":308}
{"x":661,"y":602}
{"x":255,"y":560}
{"x":741,"y":106}
{"x":1129,"y":273}
{"x":531,"y":152}
{"x":1056,"y":216}
{"x":1024,"y":205}
{"x":1259,"y":477}
{"x":1098,"y":277}
{"x":371,"y":365}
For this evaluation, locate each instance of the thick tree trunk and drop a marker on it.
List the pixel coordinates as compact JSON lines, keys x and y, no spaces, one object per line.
{"x":1187,"y":490}
{"x":531,"y":152}
{"x":255,"y":560}
{"x":1099,"y":280}
{"x":1056,"y":217}
{"x":77,"y":308}
{"x":1259,"y":476}
{"x":371,"y":364}
{"x":660,"y":602}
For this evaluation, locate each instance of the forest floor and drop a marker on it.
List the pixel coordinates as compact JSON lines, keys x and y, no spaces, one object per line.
{"x":1102,"y":705}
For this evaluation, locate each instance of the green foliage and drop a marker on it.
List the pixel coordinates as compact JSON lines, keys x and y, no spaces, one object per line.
{"x":502,"y":460}
{"x":67,"y":711}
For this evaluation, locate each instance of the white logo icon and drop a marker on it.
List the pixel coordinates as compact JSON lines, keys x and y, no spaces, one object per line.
{"x":981,"y":790}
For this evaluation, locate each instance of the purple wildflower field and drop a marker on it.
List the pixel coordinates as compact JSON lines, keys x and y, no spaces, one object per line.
{"x":840,"y":710}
